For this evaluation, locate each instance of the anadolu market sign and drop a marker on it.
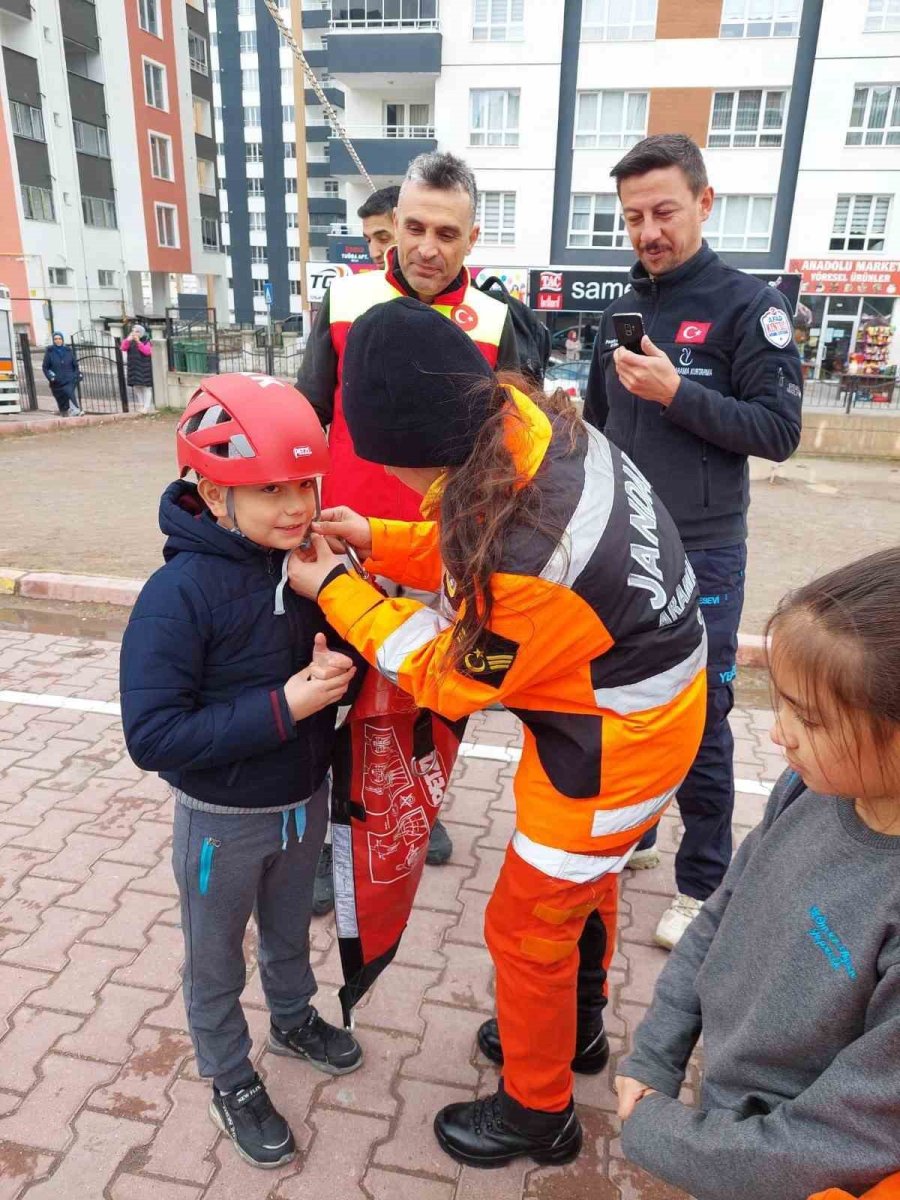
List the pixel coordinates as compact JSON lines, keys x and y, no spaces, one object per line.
{"x":848,"y":276}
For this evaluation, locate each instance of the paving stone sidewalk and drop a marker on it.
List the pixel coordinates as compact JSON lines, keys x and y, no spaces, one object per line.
{"x":99,"y":1097}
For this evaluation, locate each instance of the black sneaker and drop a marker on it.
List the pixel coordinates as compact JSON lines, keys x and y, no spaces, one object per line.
{"x":591,"y":1047}
{"x":323,"y":1046}
{"x":260,"y":1133}
{"x":323,"y":887}
{"x":439,"y":846}
{"x":494,"y":1130}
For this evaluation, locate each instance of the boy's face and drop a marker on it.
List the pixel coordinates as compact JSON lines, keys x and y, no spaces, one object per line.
{"x":277,"y":515}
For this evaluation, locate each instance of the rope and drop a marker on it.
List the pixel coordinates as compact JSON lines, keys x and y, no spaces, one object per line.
{"x":330,"y":113}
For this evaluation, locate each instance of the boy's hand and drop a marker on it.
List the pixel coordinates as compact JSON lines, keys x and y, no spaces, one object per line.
{"x":342,"y":524}
{"x":327,"y":664}
{"x":630,"y":1091}
{"x":319,"y":684}
{"x":309,"y":568}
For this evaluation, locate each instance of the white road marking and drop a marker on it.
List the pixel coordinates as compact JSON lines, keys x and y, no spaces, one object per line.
{"x":482,"y":750}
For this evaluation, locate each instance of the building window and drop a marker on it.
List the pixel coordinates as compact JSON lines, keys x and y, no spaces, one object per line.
{"x":91,"y":139}
{"x":246,"y":8}
{"x":290,"y":186}
{"x":408,"y":121}
{"x":290,"y":220}
{"x":197,"y":53}
{"x":252,"y":115}
{"x":875,"y":116}
{"x":202,"y":117}
{"x":610,"y":120}
{"x":167,"y":225}
{"x":287,"y":114}
{"x":209,"y":233}
{"x":496,"y":215}
{"x":331,"y":187}
{"x":198,"y":4}
{"x":493,"y":117}
{"x":258,"y":255}
{"x":206,"y":176}
{"x":250,"y":80}
{"x":883,"y":17}
{"x":618,"y":20}
{"x":99,"y":212}
{"x":259,"y":288}
{"x":740,"y":223}
{"x":253,"y":152}
{"x":747,"y":118}
{"x":27,"y":122}
{"x":256,"y":222}
{"x":287,"y":77}
{"x":498,"y":20}
{"x":290,"y":150}
{"x":248,"y":41}
{"x":106,"y":279}
{"x":255,"y":187}
{"x":296,"y":287}
{"x":148,"y":17}
{"x":37,"y":203}
{"x":760,"y":18}
{"x":860,"y":222}
{"x":155,"y":85}
{"x":596,"y":222}
{"x":161,"y":156}
{"x":58,"y":276}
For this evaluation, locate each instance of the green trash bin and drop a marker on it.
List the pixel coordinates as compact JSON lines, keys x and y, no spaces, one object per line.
{"x":195,"y":354}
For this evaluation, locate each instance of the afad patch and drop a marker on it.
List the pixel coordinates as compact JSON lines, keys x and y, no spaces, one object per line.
{"x":776,"y":327}
{"x":490,"y":661}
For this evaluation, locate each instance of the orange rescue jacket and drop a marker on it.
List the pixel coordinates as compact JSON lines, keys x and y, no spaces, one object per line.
{"x":888,"y":1189}
{"x":595,"y":641}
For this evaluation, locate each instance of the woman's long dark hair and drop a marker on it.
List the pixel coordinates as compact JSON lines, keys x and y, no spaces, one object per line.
{"x":484,"y":497}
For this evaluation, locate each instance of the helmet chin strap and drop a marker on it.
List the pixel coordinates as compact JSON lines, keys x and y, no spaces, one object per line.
{"x":229,"y":508}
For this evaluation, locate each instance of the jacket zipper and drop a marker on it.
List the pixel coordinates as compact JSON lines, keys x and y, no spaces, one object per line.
{"x":207,"y":852}
{"x":705,"y":468}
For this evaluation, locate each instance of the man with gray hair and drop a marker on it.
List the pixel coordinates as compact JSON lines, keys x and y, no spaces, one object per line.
{"x":435,"y":224}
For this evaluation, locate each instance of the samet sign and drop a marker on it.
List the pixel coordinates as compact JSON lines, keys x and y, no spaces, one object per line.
{"x":592,"y":291}
{"x":848,"y":276}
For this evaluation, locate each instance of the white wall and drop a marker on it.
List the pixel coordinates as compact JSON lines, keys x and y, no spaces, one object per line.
{"x":687,"y":62}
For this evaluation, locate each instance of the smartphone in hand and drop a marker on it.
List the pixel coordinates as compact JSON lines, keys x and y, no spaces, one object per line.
{"x":629,"y":329}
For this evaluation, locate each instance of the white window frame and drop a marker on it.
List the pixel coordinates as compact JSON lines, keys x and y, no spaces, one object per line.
{"x":864,"y":135}
{"x":288,"y":114}
{"x":170,"y":161}
{"x":874,"y":230}
{"x":504,"y":233}
{"x":253,"y":111}
{"x":200,"y":65}
{"x":145,"y":7}
{"x":508,"y":134}
{"x":259,"y":256}
{"x":249,"y":88}
{"x":331,"y":187}
{"x":53,"y":276}
{"x":102,"y":139}
{"x":615,"y":239}
{"x":618,"y":21}
{"x":209,"y":126}
{"x":248,"y":36}
{"x":255,"y":186}
{"x":206,"y":166}
{"x":253,"y":152}
{"x":158,"y":208}
{"x":99,"y":204}
{"x":150,"y":62}
{"x":721,"y":205}
{"x":882,"y":16}
{"x":30,"y":192}
{"x":626,"y":137}
{"x":407,"y":127}
{"x":259,"y":289}
{"x":254,"y":223}
{"x":23,"y":118}
{"x":498,"y":20}
{"x":204,"y":242}
{"x":739,"y":20}
{"x":110,"y":281}
{"x":716,"y":138}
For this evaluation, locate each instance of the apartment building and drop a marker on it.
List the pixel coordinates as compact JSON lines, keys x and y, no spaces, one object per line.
{"x":108,"y":202}
{"x":278,"y":195}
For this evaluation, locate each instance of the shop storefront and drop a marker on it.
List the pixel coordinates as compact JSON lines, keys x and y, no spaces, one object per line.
{"x":853,"y":309}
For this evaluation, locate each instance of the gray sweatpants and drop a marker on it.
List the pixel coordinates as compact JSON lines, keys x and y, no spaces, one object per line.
{"x":229,"y":866}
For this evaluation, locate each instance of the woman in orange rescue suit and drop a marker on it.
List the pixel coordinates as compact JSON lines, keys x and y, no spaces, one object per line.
{"x":565,"y":595}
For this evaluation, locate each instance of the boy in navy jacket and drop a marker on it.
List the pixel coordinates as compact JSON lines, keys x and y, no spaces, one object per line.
{"x":229,"y":691}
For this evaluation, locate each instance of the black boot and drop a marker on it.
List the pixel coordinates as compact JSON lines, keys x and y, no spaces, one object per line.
{"x":440,"y":846}
{"x":591,"y":1046}
{"x":496,"y":1129}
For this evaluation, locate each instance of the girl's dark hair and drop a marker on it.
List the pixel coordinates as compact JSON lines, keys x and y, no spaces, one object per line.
{"x":486,"y":496}
{"x":841,"y":635}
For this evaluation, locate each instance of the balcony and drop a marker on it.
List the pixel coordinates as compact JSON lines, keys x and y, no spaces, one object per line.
{"x":18,"y":8}
{"x":79,"y":24}
{"x":385,"y":150}
{"x":372,"y":42}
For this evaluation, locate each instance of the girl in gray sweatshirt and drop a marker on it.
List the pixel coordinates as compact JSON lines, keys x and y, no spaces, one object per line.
{"x":791,"y":970}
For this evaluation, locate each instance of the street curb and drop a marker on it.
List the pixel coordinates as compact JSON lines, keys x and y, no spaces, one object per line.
{"x":52,"y":424}
{"x":102,"y":589}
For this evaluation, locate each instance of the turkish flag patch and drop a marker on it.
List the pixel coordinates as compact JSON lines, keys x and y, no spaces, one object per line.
{"x":692,"y":333}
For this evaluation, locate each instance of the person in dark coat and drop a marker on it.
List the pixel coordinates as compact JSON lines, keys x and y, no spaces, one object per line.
{"x":61,"y":368}
{"x":139,"y":367}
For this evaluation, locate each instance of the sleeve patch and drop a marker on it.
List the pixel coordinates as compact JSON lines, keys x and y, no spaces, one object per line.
{"x":490,"y":661}
{"x":776,"y":327}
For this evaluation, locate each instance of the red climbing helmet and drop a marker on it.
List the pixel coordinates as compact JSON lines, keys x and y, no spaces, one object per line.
{"x":245,"y":429}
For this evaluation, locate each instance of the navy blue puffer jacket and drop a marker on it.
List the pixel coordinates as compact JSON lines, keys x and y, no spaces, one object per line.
{"x":204,"y":663}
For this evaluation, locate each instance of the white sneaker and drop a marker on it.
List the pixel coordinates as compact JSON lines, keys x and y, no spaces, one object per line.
{"x":644,"y":860}
{"x":675,"y":920}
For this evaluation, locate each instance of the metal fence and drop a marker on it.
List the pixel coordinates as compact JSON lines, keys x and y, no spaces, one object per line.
{"x":25,"y":375}
{"x":202,"y":348}
{"x":851,"y":393}
{"x":102,"y":388}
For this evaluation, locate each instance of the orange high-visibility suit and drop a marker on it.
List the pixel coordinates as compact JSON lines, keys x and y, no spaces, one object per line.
{"x":888,"y":1189}
{"x":596,"y":642}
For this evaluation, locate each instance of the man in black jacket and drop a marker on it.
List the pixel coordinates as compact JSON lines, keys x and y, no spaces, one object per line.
{"x":719,"y":379}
